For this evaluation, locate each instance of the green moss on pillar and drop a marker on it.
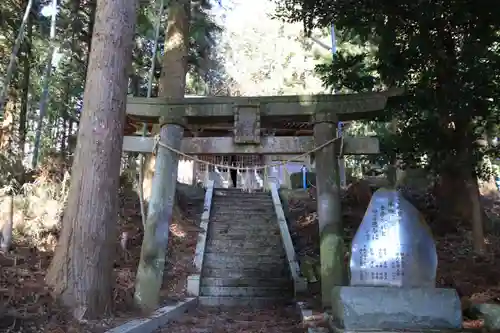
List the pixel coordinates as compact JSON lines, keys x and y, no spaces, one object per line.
{"x":332,"y":263}
{"x":329,"y":215}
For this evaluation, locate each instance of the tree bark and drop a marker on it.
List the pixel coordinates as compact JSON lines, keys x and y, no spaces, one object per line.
{"x":81,"y":272}
{"x":23,"y":114}
{"x":13,"y":56}
{"x":478,"y":243}
{"x":45,"y":92}
{"x":459,"y":198}
{"x":7,"y":127}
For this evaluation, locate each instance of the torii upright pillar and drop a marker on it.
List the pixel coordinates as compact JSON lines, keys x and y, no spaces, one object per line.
{"x":154,"y":247}
{"x":328,"y":201}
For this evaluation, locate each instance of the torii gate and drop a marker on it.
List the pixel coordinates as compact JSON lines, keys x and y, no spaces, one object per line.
{"x":248,"y":118}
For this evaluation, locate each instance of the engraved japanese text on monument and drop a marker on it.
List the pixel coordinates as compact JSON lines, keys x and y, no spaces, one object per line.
{"x":393,"y":246}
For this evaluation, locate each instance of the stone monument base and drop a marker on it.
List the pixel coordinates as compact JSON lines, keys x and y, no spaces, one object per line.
{"x":386,"y":308}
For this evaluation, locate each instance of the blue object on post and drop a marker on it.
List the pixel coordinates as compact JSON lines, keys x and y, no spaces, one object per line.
{"x":304,"y":176}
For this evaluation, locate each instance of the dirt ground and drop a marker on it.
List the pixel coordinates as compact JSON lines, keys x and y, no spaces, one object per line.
{"x":25,"y":301}
{"x":26,"y":304}
{"x":243,"y":320}
{"x":475,"y":278}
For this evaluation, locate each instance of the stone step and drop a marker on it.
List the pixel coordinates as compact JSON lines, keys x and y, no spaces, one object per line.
{"x":245,"y":198}
{"x":219,"y":194}
{"x":236,"y":258}
{"x":232,"y":221}
{"x":215,"y":245}
{"x":242,"y":214}
{"x":241,"y":227}
{"x":251,"y":273}
{"x":237,"y":222}
{"x":241,"y":192}
{"x":267,"y":201}
{"x":253,"y":302}
{"x":246,"y":282}
{"x":277,"y":267}
{"x":244,"y":291}
{"x":250,"y":231}
{"x":279,"y":250}
{"x":271,"y":238}
{"x":238,"y":218}
{"x":241,"y":210}
{"x":242,"y":202}
{"x":242,"y":199}
{"x":244,"y":207}
{"x":244,"y":227}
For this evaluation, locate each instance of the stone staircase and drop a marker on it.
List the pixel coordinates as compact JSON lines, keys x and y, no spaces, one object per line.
{"x":244,"y":261}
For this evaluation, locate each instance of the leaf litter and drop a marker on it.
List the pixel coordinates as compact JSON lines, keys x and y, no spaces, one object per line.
{"x":474,"y":277}
{"x":26,"y":304}
{"x":237,"y":320}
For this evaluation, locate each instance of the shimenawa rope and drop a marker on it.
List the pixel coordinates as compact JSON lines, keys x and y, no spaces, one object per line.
{"x":158,"y":143}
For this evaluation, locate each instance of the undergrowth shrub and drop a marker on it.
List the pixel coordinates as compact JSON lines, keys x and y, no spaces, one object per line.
{"x":38,"y":201}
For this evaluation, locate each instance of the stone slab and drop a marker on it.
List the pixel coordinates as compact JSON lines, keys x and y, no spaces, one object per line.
{"x":240,"y":245}
{"x":237,"y":273}
{"x":491,"y":315}
{"x":193,"y":285}
{"x":282,"y":145}
{"x":254,"y":302}
{"x":245,"y":291}
{"x":238,"y":258}
{"x":245,"y":251}
{"x":202,"y":235}
{"x":346,"y":106}
{"x":299,"y":281}
{"x":246,"y":282}
{"x":310,"y":318}
{"x":339,"y":330}
{"x":395,"y":308}
{"x":253,"y":225}
{"x":239,"y":265}
{"x":158,"y":319}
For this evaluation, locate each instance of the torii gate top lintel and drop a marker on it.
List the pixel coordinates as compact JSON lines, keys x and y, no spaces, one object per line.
{"x":248,"y":119}
{"x":345,"y":106}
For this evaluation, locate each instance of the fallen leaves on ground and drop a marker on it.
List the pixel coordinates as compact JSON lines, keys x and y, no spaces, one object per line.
{"x":25,"y":301}
{"x":237,"y":320}
{"x":474,"y":277}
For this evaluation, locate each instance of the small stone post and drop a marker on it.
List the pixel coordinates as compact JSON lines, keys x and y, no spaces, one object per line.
{"x":154,"y":246}
{"x":328,"y":201}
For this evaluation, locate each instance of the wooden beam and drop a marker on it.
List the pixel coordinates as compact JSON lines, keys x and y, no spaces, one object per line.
{"x":344,"y":105}
{"x":277,"y":145}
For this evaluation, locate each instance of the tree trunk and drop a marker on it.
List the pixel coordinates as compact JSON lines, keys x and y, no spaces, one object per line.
{"x":476,"y":216}
{"x":459,"y":199}
{"x":452,"y":196}
{"x":64,"y":135}
{"x":173,"y":74}
{"x":81,"y":272}
{"x":13,"y":55}
{"x":92,"y":17}
{"x":46,"y":81}
{"x":7,"y":126}
{"x":23,"y":114}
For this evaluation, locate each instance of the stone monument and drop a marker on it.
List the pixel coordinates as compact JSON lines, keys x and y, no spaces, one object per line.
{"x":393,"y":246}
{"x":393,"y":273}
